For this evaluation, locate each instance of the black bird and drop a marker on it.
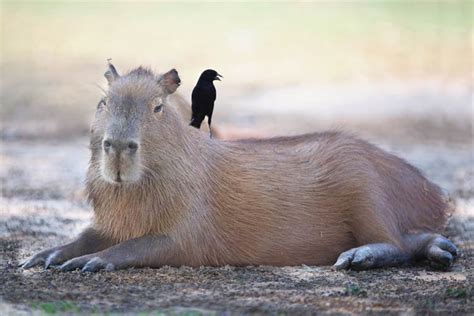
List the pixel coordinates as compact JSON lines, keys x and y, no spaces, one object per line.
{"x":203,"y":97}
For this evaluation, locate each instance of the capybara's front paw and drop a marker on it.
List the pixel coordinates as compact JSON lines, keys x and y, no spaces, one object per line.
{"x":88,"y":263}
{"x":49,"y":257}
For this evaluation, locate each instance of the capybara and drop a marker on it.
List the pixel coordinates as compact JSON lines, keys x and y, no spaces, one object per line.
{"x":164,"y":193}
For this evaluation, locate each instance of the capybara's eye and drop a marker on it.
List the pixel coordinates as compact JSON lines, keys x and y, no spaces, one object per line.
{"x":158,"y":108}
{"x":101,"y":104}
{"x":107,"y":144}
{"x":133,"y":146}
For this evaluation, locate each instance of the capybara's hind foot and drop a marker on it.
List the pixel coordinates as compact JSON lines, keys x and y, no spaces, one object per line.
{"x":371,"y":256}
{"x":440,"y":252}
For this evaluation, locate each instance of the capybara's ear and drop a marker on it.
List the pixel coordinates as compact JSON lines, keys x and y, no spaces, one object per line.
{"x":170,"y":81}
{"x":111,"y":74}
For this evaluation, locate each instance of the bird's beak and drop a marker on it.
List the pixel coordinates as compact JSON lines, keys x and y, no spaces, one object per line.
{"x":218,"y":77}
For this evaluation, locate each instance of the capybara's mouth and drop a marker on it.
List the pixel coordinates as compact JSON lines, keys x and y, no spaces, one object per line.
{"x":121,"y":180}
{"x":119,"y":176}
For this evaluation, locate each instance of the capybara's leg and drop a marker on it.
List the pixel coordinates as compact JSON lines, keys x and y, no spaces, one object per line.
{"x":372,"y":256}
{"x":147,"y":251}
{"x":438,"y":250}
{"x":89,"y":241}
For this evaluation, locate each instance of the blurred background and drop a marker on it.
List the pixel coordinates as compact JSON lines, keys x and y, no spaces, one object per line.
{"x":396,"y":69}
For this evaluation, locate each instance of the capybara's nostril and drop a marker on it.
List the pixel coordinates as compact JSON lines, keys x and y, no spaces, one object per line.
{"x":132,"y":146}
{"x":107,"y":144}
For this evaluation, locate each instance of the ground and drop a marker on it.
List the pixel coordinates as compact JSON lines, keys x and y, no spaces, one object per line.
{"x":43,"y":205}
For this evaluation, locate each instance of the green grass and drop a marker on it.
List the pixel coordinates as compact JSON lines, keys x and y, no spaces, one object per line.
{"x":57,"y":307}
{"x":355,"y":290}
{"x":456,"y":292}
{"x":68,"y":307}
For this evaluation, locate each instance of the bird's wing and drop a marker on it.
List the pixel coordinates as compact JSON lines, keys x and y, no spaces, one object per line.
{"x":213,"y":92}
{"x":203,"y":95}
{"x":194,"y":102}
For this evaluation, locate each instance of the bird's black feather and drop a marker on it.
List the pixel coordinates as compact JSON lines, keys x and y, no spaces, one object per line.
{"x":203,"y":98}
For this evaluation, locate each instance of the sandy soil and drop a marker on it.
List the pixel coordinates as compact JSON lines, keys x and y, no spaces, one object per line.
{"x":42,"y":205}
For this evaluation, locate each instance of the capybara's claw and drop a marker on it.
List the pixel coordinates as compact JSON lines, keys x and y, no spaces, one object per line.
{"x":50,"y":257}
{"x":97,"y":264}
{"x":344,"y":260}
{"x":75,"y":263}
{"x":33,"y":261}
{"x":371,"y":256}
{"x":53,"y":259}
{"x":87,"y":263}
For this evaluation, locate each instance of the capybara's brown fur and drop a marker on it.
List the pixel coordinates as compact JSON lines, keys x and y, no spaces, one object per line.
{"x":279,"y":201}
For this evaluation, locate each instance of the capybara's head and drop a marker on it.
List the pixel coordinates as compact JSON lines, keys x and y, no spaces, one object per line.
{"x":132,"y":124}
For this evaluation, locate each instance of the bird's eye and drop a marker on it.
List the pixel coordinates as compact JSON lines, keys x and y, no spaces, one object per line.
{"x":158,"y":108}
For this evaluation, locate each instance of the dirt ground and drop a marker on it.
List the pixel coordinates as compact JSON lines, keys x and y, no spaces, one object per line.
{"x":42,"y":205}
